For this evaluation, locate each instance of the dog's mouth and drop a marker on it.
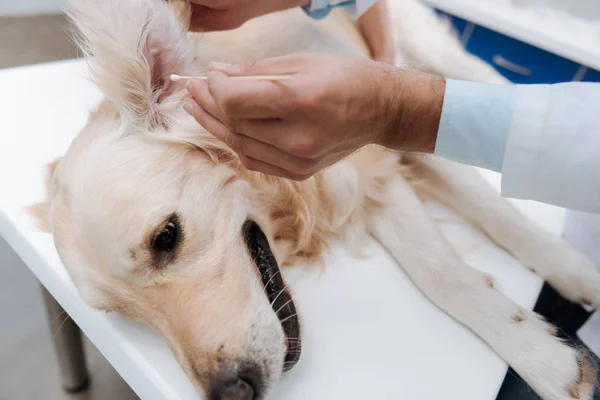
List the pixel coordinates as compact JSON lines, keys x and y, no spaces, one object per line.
{"x":276,"y":291}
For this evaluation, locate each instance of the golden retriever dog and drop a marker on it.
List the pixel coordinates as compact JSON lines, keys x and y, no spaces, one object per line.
{"x":156,"y":219}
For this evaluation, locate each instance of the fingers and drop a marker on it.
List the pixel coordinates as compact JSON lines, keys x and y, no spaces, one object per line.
{"x":210,"y":123}
{"x":199,"y":91}
{"x":241,"y":99}
{"x":250,"y":127}
{"x":269,"y":169}
{"x":280,"y":134}
{"x":251,"y":151}
{"x":267,"y":130}
{"x":259,"y":166}
{"x":253,"y":99}
{"x":284,"y":65}
{"x":264,"y":125}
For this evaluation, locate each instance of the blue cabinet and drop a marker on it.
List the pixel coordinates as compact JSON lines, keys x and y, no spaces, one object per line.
{"x":592,"y":76}
{"x":520,"y":62}
{"x":517,"y":61}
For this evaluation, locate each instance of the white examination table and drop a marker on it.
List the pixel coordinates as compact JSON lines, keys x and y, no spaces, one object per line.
{"x":368,"y":332}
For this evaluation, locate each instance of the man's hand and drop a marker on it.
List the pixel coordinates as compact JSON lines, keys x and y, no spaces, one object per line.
{"x":331,"y":107}
{"x":218,"y":15}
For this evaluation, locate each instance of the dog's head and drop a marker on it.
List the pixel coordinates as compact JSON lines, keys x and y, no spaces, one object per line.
{"x":154,"y":218}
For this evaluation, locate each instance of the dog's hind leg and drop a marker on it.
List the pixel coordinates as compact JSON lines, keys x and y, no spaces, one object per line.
{"x":555,"y":370}
{"x":463,"y":189}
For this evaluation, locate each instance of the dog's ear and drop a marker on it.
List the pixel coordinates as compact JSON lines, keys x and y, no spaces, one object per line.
{"x":183,"y":10}
{"x":40,"y":212}
{"x":133,"y":46}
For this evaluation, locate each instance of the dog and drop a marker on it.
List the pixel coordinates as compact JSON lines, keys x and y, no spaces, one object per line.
{"x":156,"y":219}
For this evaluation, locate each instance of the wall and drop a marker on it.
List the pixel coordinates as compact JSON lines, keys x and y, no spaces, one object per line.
{"x":31,"y":7}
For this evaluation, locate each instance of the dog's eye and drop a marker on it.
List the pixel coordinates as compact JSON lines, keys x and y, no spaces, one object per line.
{"x":166,"y":240}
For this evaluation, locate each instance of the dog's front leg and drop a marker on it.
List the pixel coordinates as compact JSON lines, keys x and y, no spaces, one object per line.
{"x":463,"y":189}
{"x":555,"y":370}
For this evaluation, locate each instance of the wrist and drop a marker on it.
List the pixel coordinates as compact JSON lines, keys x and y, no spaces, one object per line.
{"x":414,"y":109}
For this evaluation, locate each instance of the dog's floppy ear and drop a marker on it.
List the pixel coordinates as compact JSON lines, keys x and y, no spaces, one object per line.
{"x":40,"y":212}
{"x":132,"y":46}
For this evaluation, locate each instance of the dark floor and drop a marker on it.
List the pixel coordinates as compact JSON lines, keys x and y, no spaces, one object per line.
{"x":28,"y":367}
{"x":569,"y":317}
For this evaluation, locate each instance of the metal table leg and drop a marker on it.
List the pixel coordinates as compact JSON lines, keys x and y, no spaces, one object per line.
{"x":68,"y":346}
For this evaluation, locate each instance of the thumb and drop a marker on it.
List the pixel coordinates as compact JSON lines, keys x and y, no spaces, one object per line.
{"x":271,"y":66}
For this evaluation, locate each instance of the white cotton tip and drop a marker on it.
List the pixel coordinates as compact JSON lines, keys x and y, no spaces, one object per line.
{"x":176,"y":78}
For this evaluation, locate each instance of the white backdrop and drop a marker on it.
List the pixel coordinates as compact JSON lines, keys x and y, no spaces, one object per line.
{"x":30,"y":7}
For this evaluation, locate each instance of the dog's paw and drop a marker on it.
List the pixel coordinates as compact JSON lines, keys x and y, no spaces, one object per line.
{"x":571,"y":273}
{"x":585,"y":384}
{"x":555,"y":370}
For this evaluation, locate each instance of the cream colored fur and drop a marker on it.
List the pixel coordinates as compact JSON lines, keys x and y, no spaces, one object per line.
{"x":142,"y":158}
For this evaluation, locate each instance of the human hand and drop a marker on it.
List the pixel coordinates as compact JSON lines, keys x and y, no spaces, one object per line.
{"x":332,"y":106}
{"x":218,"y":15}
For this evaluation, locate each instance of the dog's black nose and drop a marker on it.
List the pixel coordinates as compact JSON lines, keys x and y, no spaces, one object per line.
{"x":243,"y":382}
{"x":240,"y":381}
{"x":232,"y":389}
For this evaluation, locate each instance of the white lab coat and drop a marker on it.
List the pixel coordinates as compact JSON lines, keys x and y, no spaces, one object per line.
{"x":544,"y":139}
{"x":553,"y":148}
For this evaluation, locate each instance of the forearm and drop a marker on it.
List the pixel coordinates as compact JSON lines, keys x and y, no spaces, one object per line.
{"x":415,"y":101}
{"x":376,"y":28}
{"x":463,"y":121}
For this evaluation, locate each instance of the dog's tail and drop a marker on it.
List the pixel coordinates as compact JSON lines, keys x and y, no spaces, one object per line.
{"x":426,"y":41}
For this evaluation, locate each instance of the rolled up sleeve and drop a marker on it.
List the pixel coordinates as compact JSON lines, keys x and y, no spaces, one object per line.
{"x":475,"y":123}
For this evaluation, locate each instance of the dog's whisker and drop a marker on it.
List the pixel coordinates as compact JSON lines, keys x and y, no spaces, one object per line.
{"x":288,"y":317}
{"x":57,"y":317}
{"x":60,"y":326}
{"x":283,"y":306}
{"x":279,"y":294}
{"x":274,"y":275}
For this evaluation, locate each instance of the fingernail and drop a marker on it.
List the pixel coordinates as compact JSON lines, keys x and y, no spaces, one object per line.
{"x":217,"y":65}
{"x":188,"y":107}
{"x":188,"y":86}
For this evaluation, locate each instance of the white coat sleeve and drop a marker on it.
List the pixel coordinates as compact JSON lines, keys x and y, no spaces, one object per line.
{"x":319,"y":9}
{"x":552,"y":153}
{"x":544,"y":139}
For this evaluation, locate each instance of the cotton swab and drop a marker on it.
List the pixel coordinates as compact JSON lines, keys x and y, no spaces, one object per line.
{"x":176,"y":78}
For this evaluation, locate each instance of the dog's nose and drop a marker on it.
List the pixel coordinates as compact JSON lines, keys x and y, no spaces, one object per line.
{"x":234,"y":390}
{"x":227,"y":387}
{"x":240,"y":381}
